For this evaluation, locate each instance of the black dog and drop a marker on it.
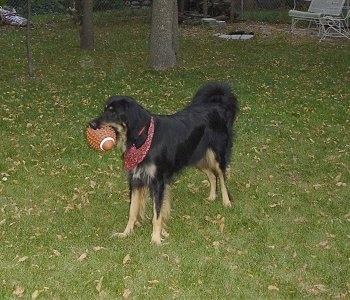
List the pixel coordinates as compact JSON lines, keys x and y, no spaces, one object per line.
{"x":155,"y":147}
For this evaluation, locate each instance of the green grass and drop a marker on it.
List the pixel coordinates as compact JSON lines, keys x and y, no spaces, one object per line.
{"x":287,"y":234}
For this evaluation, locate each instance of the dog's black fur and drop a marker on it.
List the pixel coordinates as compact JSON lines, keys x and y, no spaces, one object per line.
{"x":200,"y":135}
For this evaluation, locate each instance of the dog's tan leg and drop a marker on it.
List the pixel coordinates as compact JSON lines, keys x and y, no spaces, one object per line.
{"x":137,"y":198}
{"x":214,"y":166}
{"x":212,"y":181}
{"x":159,"y":222}
{"x":206,"y":165}
{"x":157,"y":228}
{"x":224,"y":193}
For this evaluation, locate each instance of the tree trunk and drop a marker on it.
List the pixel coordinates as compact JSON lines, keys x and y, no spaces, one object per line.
{"x":87,"y":27}
{"x":182,"y":7}
{"x":164,"y":44}
{"x":28,"y":42}
{"x":232,"y":10}
{"x":205,"y":8}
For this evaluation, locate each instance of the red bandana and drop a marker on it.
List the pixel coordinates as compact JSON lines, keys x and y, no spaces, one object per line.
{"x":134,"y":156}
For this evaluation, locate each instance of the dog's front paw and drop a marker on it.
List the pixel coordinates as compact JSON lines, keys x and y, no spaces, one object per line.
{"x":227,"y":203}
{"x":122,"y":234}
{"x":156,"y":240}
{"x":211,"y":197}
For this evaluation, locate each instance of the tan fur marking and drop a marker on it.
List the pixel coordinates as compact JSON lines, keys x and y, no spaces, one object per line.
{"x":212,"y":181}
{"x":224,"y":192}
{"x":136,"y":208}
{"x":211,"y":168}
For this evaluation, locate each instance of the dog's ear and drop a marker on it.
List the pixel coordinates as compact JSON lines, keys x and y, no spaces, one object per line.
{"x":127,"y":111}
{"x":119,"y":107}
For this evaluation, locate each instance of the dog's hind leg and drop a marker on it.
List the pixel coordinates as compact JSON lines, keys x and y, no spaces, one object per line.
{"x":210,"y":166}
{"x":206,"y":165}
{"x":136,"y":207}
{"x":212,"y":182}
{"x":161,"y":212}
{"x":224,"y":193}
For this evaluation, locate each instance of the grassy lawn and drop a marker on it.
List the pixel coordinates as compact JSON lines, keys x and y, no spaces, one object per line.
{"x":287,"y":234}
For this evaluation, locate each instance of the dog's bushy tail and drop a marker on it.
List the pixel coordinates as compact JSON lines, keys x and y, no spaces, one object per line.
{"x":219,"y":93}
{"x":214,"y":93}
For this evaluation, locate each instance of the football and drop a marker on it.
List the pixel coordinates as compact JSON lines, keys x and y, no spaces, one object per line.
{"x":101,"y":139}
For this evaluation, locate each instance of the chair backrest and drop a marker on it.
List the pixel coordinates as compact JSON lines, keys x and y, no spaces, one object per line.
{"x":327,"y":7}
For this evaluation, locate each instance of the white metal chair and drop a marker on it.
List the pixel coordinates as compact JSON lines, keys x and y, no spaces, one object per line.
{"x":336,"y":26}
{"x":322,"y":15}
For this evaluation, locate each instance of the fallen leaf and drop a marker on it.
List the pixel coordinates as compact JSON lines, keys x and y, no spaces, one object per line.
{"x":97,"y":248}
{"x":278,"y":204}
{"x":324,"y":244}
{"x":154,"y":281}
{"x":347,"y":217}
{"x":102,"y":295}
{"x":19,"y":291}
{"x":338,"y":177}
{"x":216,"y":244}
{"x":126,"y":294}
{"x":35,"y":294}
{"x":82,"y":256}
{"x":126,"y":259}
{"x":93,"y":184}
{"x":99,"y":284}
{"x":166,"y":256}
{"x":317,"y":186}
{"x":22,"y":259}
{"x":222,"y":225}
{"x":273,"y":288}
{"x":218,"y":220}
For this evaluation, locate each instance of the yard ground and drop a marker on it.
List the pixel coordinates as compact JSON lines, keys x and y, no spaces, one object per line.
{"x":287,"y":234}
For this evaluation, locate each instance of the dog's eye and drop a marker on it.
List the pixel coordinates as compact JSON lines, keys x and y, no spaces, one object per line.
{"x":110,"y":108}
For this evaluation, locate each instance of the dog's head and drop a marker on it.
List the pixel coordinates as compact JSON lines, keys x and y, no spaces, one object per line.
{"x":127,"y":118}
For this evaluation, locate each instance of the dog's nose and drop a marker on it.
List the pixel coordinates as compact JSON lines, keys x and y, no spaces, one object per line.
{"x":93,"y":124}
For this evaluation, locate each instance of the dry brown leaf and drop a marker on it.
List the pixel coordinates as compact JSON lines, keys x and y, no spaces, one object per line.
{"x":102,"y":295}
{"x":166,"y":256}
{"x":338,"y":177}
{"x":82,"y":256}
{"x":19,"y":291}
{"x":23,"y":258}
{"x":317,"y":186}
{"x":126,"y":293}
{"x":324,"y":244}
{"x":216,"y":244}
{"x":273,"y":288}
{"x":126,"y":259}
{"x":93,"y":184}
{"x":97,"y":248}
{"x":154,"y":281}
{"x":35,"y":294}
{"x":277,"y":204}
{"x":99,"y":284}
